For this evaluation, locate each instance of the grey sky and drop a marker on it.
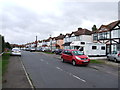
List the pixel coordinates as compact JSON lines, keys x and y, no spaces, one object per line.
{"x":22,"y":20}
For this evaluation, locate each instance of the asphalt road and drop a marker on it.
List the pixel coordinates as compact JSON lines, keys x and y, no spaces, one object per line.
{"x":48,"y":72}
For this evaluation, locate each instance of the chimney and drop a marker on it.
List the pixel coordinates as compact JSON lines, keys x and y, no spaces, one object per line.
{"x":79,"y":28}
{"x":60,"y":34}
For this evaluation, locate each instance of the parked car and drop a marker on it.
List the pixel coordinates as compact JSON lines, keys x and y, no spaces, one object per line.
{"x":16,"y":51}
{"x":75,"y":57}
{"x":115,"y":56}
{"x":58,"y":51}
{"x":32,"y":49}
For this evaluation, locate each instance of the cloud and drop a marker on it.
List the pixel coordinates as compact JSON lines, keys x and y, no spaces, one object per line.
{"x":21,"y":22}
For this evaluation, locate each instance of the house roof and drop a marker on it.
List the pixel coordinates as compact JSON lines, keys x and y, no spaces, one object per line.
{"x":105,"y":28}
{"x":60,"y":37}
{"x":69,"y":34}
{"x":81,"y":31}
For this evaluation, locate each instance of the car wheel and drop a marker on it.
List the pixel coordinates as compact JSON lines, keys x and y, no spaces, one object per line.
{"x":63,"y":60}
{"x":108,"y":58}
{"x":73,"y":63}
{"x":115,"y":60}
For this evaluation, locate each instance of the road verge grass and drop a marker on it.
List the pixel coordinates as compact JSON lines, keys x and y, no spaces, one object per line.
{"x":4,"y":62}
{"x":96,"y":61}
{"x":48,"y":52}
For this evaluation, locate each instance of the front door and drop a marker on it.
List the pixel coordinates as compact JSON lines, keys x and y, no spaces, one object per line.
{"x":107,"y":49}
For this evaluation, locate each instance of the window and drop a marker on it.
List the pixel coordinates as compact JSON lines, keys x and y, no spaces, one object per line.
{"x":82,"y":42}
{"x":95,"y":36}
{"x":69,"y":53}
{"x":77,"y":53}
{"x":103,"y":48}
{"x":65,"y":52}
{"x":101,"y":35}
{"x":94,"y":47}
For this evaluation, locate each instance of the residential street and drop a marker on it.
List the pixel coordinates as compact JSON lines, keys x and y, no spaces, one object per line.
{"x":47,"y":71}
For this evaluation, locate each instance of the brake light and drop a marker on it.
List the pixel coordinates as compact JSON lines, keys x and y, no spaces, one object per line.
{"x":119,"y":55}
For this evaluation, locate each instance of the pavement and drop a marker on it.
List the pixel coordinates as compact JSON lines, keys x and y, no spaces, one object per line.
{"x":15,"y":76}
{"x":47,"y":71}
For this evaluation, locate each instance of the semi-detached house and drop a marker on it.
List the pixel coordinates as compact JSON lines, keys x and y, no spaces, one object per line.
{"x":110,"y":35}
{"x":79,"y":36}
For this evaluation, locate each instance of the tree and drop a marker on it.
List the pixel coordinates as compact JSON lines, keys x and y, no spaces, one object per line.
{"x":7,"y":45}
{"x":94,"y":28}
{"x":3,"y":44}
{"x":0,"y":44}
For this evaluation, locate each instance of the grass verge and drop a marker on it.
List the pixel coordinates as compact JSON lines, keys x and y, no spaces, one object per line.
{"x":48,"y":52}
{"x":4,"y":62}
{"x":96,"y":61}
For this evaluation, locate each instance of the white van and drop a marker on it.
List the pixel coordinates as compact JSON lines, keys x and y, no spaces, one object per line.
{"x":89,"y":48}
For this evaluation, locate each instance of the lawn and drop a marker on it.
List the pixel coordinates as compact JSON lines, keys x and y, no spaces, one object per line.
{"x":96,"y":61}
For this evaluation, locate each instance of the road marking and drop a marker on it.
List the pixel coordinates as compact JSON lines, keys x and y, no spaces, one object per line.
{"x":41,"y":60}
{"x":78,"y":78}
{"x":47,"y":63}
{"x":28,"y":77}
{"x":72,"y":75}
{"x":59,"y":68}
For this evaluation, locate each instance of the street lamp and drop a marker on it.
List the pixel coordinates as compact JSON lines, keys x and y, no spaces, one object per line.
{"x":51,"y":42}
{"x":36,"y":43}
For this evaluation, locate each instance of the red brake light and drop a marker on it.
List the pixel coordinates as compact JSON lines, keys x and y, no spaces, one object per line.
{"x":118,"y":54}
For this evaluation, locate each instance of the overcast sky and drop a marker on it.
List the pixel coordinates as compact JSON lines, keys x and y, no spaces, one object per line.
{"x":22,"y":20}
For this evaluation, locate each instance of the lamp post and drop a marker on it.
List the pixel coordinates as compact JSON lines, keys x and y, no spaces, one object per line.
{"x":51,"y":43}
{"x":36,"y":44}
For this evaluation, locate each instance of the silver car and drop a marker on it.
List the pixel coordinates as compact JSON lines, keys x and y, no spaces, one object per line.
{"x":115,"y":56}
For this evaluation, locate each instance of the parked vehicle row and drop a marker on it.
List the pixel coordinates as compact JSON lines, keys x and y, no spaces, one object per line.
{"x":73,"y":56}
{"x":57,"y":51}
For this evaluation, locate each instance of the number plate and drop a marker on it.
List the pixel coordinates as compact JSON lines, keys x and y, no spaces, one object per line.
{"x":85,"y":61}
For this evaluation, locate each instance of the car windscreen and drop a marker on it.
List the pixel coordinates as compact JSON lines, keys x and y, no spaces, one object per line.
{"x":15,"y":49}
{"x":77,"y":53}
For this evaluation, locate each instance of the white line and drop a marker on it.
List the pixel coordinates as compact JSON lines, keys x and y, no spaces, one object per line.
{"x":41,"y":59}
{"x":59,"y":68}
{"x":78,"y":78}
{"x":30,"y":82}
{"x":47,"y":63}
{"x":72,"y":75}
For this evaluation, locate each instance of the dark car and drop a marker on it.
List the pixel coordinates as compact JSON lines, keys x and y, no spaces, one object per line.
{"x":58,"y":51}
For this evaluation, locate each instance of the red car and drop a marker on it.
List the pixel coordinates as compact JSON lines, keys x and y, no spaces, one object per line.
{"x":75,"y":57}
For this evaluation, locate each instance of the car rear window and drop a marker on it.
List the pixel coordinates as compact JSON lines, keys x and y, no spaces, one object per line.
{"x":77,"y":53}
{"x":15,"y":49}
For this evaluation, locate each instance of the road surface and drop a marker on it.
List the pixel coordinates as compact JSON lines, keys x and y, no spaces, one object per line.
{"x":48,"y":72}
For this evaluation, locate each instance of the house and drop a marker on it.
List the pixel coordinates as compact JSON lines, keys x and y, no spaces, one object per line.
{"x":80,"y":36}
{"x":53,"y":43}
{"x":110,"y":35}
{"x":67,"y":41}
{"x":39,"y":44}
{"x":71,"y":40}
{"x":59,"y":41}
